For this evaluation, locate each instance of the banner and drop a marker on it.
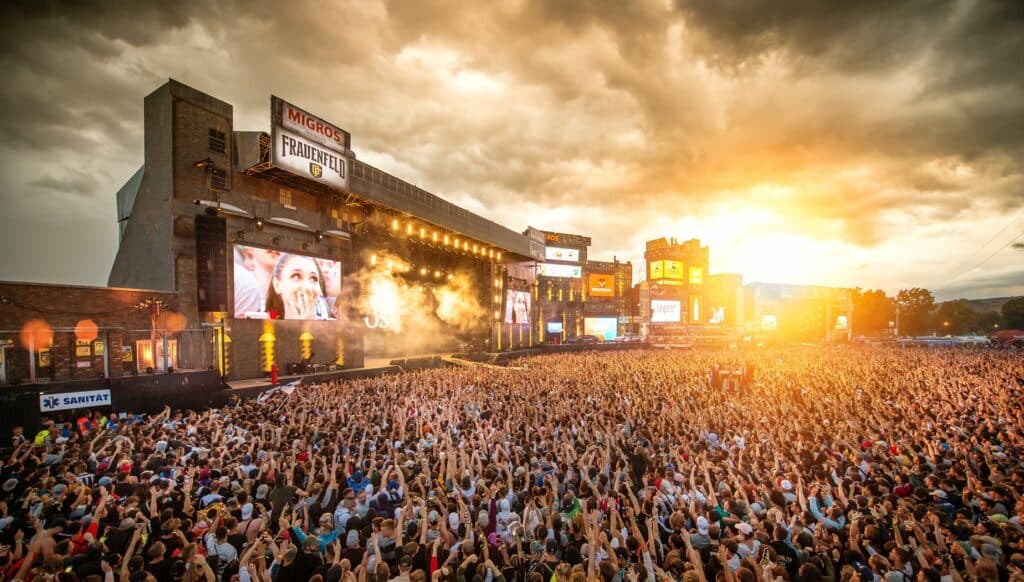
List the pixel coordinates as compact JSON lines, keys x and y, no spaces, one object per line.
{"x":70,"y":400}
{"x":309,"y":126}
{"x":562,"y":254}
{"x":665,"y":311}
{"x":666,"y":269}
{"x":696,"y":276}
{"x":601,"y":284}
{"x":303,"y":157}
{"x":555,"y":270}
{"x":308,"y":146}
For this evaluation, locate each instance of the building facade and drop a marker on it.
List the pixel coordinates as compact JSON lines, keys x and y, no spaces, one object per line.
{"x":676,"y":277}
{"x":798,"y":313}
{"x":218,"y":216}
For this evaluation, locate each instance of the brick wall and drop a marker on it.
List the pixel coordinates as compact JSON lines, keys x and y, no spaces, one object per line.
{"x":62,"y":308}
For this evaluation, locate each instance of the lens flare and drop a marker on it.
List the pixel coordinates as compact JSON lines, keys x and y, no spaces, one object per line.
{"x":173,"y":322}
{"x":37,"y":333}
{"x":86,"y":330}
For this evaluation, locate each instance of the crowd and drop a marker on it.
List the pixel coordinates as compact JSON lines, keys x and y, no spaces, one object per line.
{"x":838,"y":465}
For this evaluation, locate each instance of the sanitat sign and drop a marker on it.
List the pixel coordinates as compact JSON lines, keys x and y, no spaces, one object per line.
{"x":70,"y":400}
{"x":308,"y":146}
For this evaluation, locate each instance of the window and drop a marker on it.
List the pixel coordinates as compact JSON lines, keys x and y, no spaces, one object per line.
{"x":285,"y":197}
{"x":217,"y":141}
{"x":218,"y":179}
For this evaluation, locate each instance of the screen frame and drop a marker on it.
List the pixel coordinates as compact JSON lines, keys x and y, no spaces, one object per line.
{"x":236,"y":243}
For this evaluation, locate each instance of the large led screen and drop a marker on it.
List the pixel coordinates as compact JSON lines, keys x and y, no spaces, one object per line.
{"x":665,"y":311}
{"x":605,"y":328}
{"x":562,"y":254}
{"x":601,"y":285}
{"x":553,"y":270}
{"x":666,"y":269}
{"x":273,"y":284}
{"x":554,"y":327}
{"x":517,"y":306}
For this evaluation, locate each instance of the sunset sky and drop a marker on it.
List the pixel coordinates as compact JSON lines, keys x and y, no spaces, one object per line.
{"x":878,"y":143}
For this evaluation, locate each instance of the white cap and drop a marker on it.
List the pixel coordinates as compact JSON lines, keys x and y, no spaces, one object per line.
{"x":702,"y":525}
{"x":787,"y":485}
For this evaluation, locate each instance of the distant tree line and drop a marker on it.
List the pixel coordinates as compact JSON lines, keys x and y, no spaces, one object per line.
{"x":915,"y":313}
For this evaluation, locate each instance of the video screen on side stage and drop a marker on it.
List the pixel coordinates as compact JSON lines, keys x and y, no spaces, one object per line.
{"x":272,"y":284}
{"x":517,"y":306}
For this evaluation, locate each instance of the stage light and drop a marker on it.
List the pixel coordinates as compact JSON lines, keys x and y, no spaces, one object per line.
{"x":373,"y":259}
{"x":260,"y":223}
{"x":423,"y":232}
{"x":456,"y":243}
{"x":437,"y":274}
{"x":319,"y":235}
{"x":497,"y":282}
{"x":408,"y":229}
{"x":446,"y":241}
{"x":240,"y":235}
{"x":450,"y":276}
{"x":435,"y":236}
{"x":499,"y":255}
{"x":490,"y":253}
{"x":394,"y":224}
{"x":423,"y":271}
{"x":204,"y":163}
{"x":497,"y":298}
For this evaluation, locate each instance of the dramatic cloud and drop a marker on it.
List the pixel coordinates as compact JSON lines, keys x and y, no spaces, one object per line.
{"x":873,"y":144}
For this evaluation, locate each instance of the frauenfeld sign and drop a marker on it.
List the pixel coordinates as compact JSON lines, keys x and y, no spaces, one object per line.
{"x":308,"y":146}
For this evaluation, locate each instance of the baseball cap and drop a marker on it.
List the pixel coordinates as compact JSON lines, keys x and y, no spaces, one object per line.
{"x":702,"y":525}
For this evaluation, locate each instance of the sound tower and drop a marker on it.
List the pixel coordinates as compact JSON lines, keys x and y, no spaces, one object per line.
{"x":211,"y":263}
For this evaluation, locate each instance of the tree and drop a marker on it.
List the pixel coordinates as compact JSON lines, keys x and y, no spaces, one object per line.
{"x":915,"y":310}
{"x":986,"y":322}
{"x":955,"y":318}
{"x":1013,"y":313}
{"x":872,"y":312}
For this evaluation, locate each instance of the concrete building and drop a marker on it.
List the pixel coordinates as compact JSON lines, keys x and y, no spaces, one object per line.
{"x":606,"y":296}
{"x":676,"y":277}
{"x":207,"y":193}
{"x":560,"y":291}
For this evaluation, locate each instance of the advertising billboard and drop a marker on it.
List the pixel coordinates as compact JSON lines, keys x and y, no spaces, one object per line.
{"x":605,"y":328}
{"x":665,"y":311}
{"x":601,"y":284}
{"x":717,"y":315}
{"x":308,"y":146}
{"x":517,"y":306}
{"x":666,"y":269}
{"x":555,"y":270}
{"x":302,"y":157}
{"x":562,"y":254}
{"x":696,"y":276}
{"x":674,"y":270}
{"x":271,"y":284}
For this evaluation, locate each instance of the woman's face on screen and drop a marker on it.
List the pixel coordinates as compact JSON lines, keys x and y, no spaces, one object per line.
{"x":297,"y":274}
